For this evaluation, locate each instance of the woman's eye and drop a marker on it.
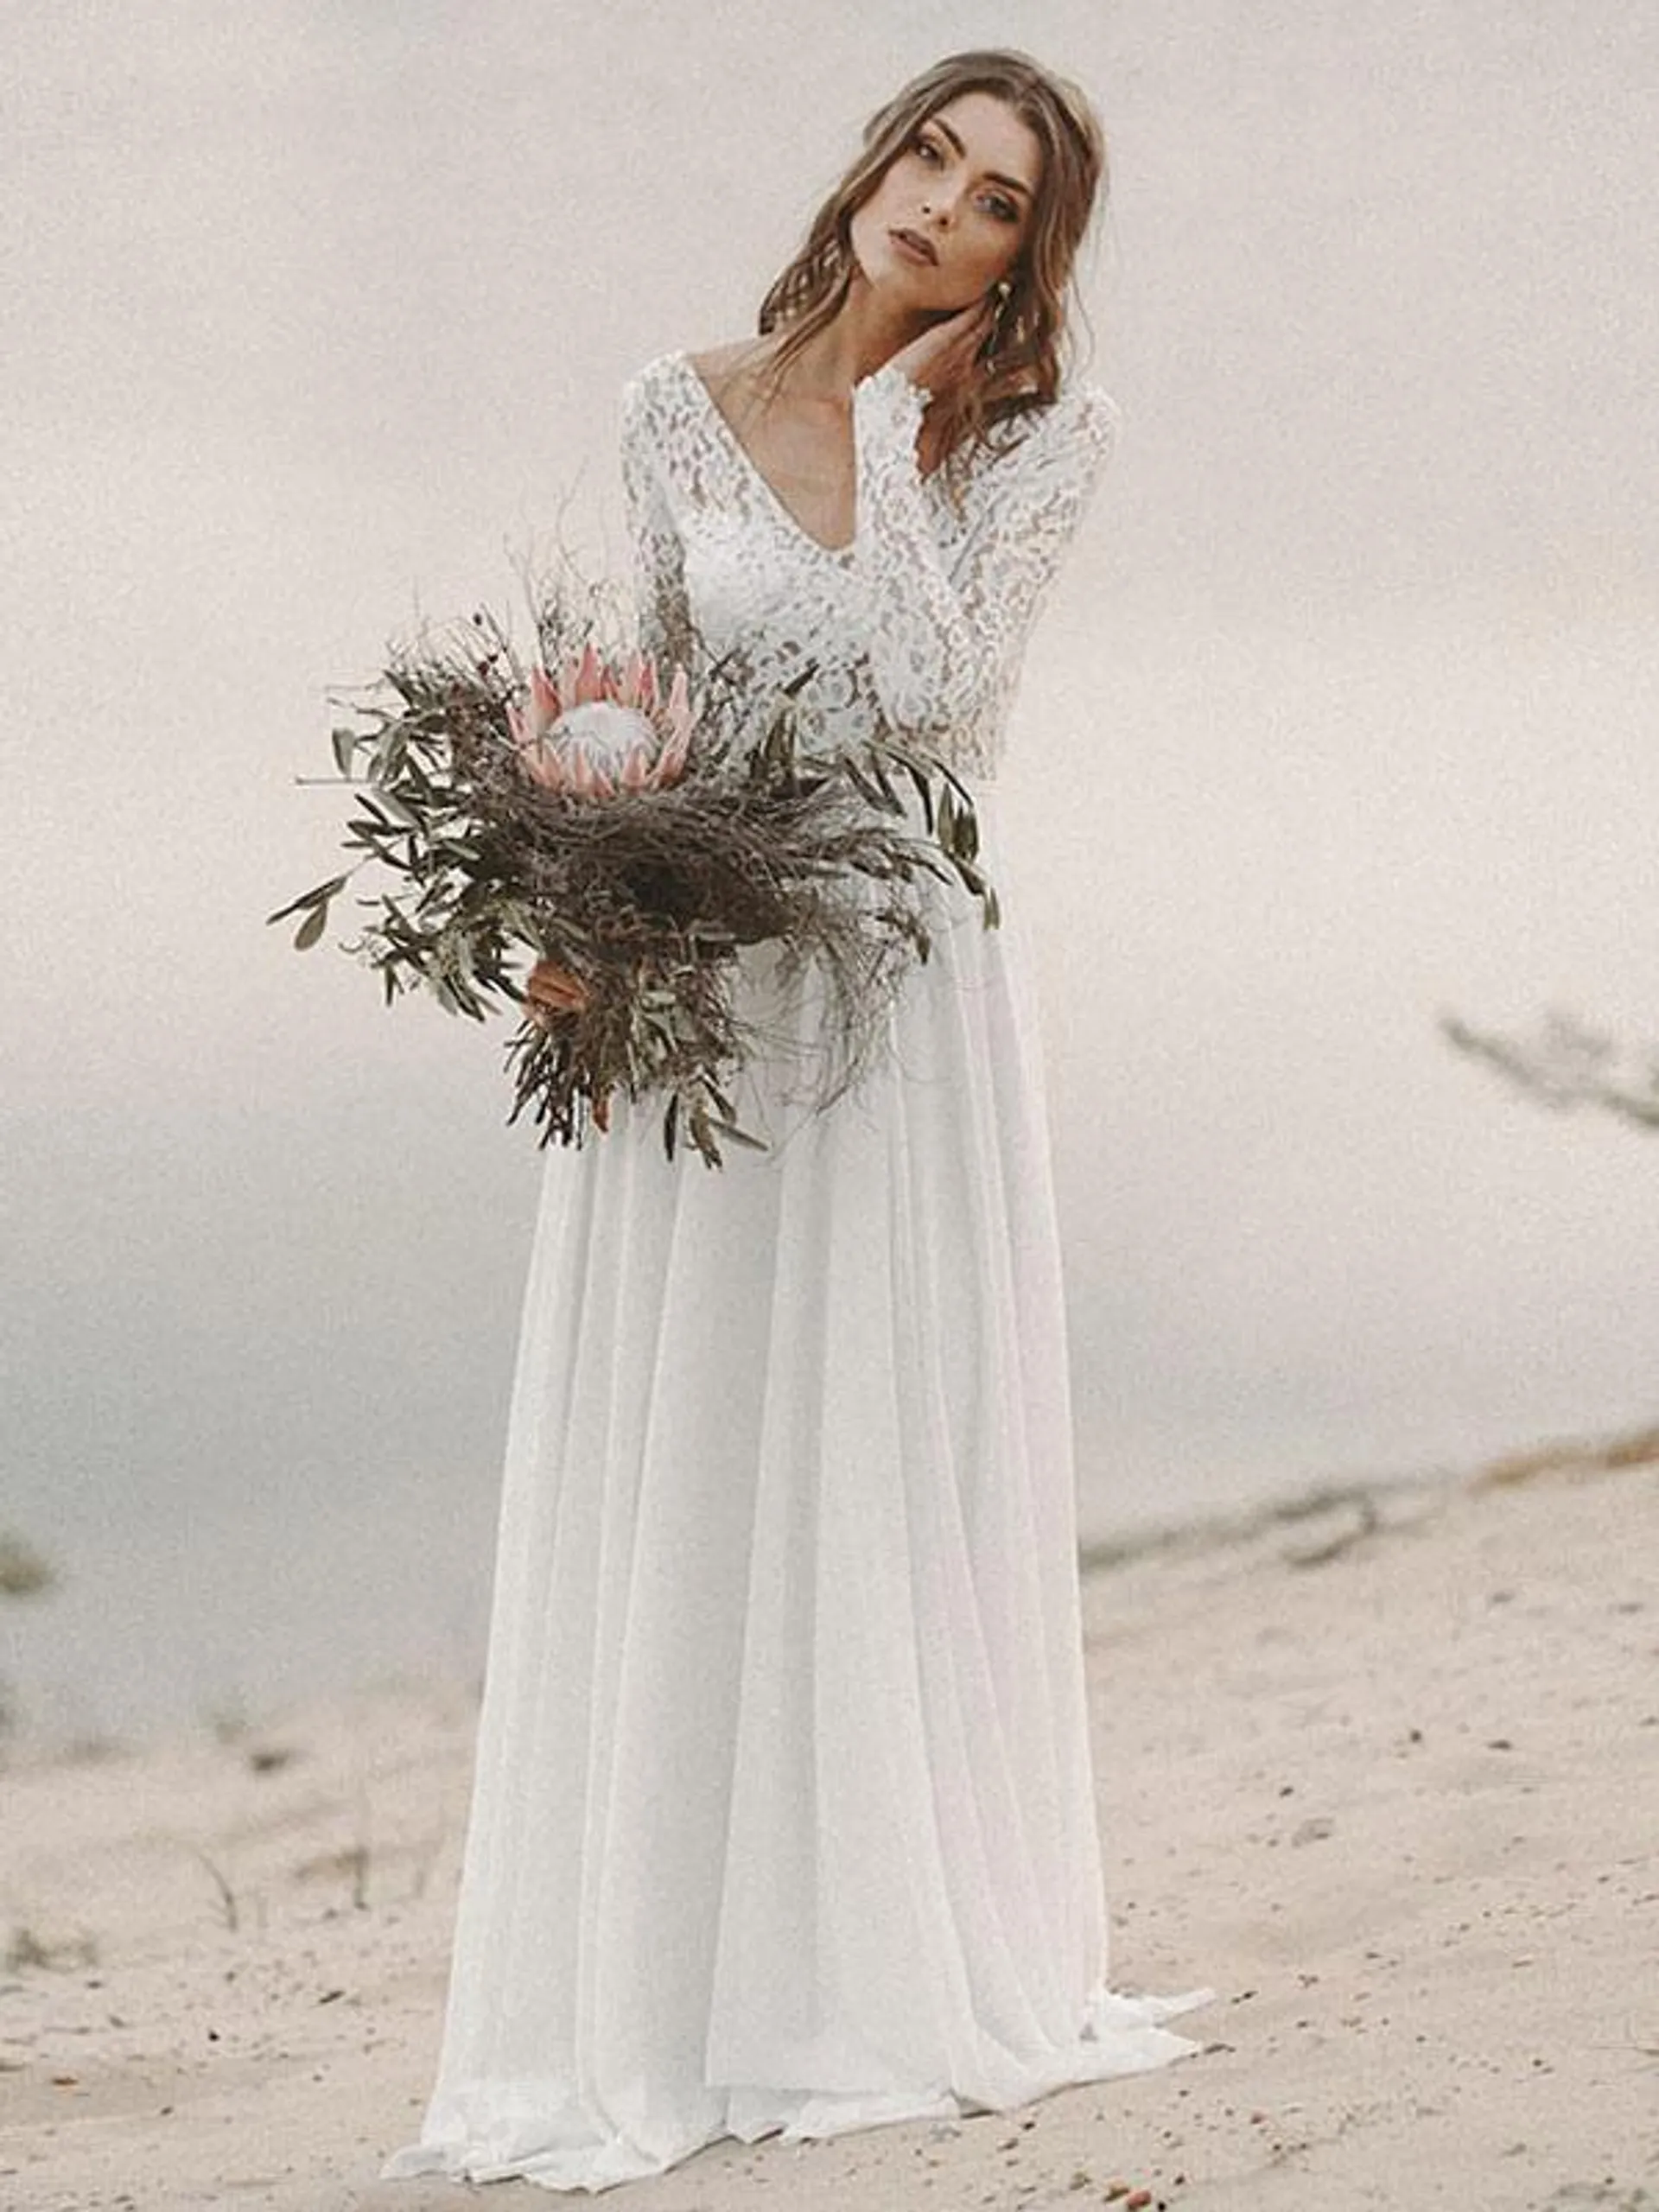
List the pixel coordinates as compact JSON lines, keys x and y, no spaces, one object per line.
{"x":929,"y":150}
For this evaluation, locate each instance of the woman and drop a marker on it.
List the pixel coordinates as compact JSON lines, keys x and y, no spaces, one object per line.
{"x":782,"y":1816}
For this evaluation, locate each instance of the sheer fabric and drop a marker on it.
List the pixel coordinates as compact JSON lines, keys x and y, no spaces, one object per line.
{"x":782,"y":1816}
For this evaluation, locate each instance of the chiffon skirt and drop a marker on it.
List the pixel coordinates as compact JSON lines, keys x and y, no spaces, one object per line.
{"x":782,"y":1816}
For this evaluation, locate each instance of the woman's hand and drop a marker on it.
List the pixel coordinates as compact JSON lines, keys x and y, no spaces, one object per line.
{"x":550,"y":990}
{"x":948,"y":353}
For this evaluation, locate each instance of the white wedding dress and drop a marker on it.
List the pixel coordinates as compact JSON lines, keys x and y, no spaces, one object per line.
{"x":783,"y":1815}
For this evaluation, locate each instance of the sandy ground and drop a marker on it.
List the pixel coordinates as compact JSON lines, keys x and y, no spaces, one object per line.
{"x":1385,"y":1776}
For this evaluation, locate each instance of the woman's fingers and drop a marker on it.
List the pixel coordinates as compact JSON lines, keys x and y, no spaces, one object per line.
{"x":947,"y":350}
{"x":555,"y":988}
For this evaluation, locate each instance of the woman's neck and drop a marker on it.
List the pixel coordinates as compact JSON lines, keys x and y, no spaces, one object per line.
{"x":866,"y":332}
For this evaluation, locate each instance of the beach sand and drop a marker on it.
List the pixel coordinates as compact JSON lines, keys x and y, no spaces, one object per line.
{"x":1384,"y":1774}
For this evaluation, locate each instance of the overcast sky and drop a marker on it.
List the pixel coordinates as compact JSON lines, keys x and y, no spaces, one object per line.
{"x":317,"y":316}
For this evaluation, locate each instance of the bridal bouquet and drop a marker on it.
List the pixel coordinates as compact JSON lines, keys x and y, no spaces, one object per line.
{"x":582,"y":808}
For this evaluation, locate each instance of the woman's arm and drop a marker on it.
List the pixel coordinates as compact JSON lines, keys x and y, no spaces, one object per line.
{"x":946,"y":641}
{"x":664,"y":624}
{"x":663,"y":611}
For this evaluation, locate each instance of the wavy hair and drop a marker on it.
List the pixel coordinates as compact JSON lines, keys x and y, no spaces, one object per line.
{"x":1023,"y":357}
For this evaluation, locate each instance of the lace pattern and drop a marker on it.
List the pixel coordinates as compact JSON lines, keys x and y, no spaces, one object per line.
{"x":919,"y":627}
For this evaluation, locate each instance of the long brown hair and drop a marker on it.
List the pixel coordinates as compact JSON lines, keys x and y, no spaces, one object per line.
{"x":1023,"y":361}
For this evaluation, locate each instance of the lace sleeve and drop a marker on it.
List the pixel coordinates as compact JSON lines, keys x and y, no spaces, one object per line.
{"x":663,"y":609}
{"x":946,"y":633}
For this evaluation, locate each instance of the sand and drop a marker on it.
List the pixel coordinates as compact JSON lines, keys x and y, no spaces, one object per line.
{"x":1385,"y":1774}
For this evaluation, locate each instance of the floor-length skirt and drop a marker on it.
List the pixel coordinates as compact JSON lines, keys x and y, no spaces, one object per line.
{"x":783,"y":1815}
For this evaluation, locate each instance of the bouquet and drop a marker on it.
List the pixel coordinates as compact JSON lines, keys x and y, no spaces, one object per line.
{"x":584,"y":808}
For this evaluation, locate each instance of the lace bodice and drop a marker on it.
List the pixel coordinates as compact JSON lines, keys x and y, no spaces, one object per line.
{"x":919,"y":624}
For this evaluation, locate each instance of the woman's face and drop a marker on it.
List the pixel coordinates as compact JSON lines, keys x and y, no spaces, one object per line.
{"x":952,"y":211}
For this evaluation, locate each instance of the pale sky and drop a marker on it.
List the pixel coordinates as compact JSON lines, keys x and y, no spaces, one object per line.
{"x":316,"y":317}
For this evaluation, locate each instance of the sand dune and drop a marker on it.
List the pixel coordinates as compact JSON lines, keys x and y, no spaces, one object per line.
{"x":1385,"y":1776}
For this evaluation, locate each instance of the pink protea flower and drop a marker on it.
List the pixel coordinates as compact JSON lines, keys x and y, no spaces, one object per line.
{"x":593,"y":730}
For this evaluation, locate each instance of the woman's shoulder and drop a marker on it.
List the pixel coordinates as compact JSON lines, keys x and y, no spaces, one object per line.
{"x":667,"y":403}
{"x":1062,"y":442}
{"x":720,"y":364}
{"x":650,"y":379}
{"x":1095,"y":408}
{"x":712,"y":367}
{"x":655,"y":410}
{"x":1081,"y":414}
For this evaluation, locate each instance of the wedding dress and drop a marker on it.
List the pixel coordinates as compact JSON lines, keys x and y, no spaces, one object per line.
{"x":783,"y":1815}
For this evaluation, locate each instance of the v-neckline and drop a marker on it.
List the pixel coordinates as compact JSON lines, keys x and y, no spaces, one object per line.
{"x":746,"y":460}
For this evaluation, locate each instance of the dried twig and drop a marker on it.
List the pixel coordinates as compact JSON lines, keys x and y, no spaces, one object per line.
{"x":227,"y":1896}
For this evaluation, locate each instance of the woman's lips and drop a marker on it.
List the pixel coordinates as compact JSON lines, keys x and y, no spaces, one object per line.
{"x":913,"y":246}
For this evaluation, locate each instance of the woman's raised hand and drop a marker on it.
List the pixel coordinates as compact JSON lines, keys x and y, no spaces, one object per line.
{"x":948,"y":353}
{"x":551,"y":989}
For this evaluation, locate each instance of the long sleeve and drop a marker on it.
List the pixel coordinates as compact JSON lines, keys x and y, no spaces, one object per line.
{"x":659,"y":557}
{"x":947,"y":627}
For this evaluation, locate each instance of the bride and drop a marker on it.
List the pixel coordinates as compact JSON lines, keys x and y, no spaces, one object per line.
{"x":782,"y":1816}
